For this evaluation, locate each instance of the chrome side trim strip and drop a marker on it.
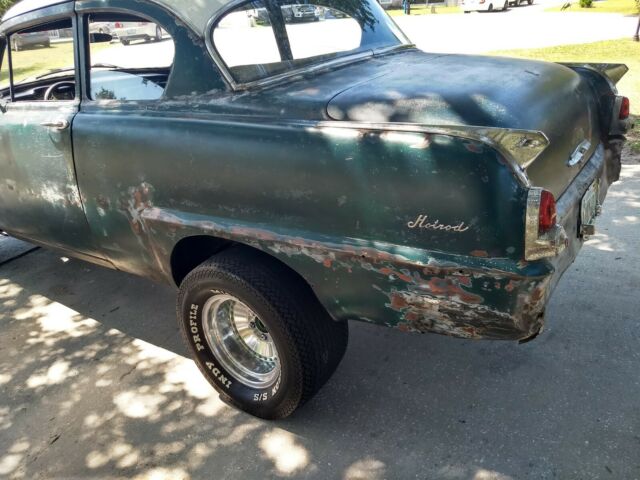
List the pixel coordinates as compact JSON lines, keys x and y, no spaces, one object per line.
{"x":520,"y":148}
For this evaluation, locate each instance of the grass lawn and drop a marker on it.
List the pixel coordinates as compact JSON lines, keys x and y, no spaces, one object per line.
{"x":425,"y":10}
{"x":626,"y":7}
{"x":611,"y":51}
{"x":34,"y":61}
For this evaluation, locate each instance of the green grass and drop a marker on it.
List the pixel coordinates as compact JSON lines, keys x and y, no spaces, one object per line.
{"x":34,"y":61}
{"x":611,"y":51}
{"x":626,"y":7}
{"x":425,"y":10}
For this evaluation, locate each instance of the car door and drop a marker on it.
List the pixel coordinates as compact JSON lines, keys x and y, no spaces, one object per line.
{"x":39,"y":196}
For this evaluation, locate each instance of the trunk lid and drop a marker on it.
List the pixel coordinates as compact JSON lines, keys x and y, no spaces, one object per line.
{"x":462,"y":90}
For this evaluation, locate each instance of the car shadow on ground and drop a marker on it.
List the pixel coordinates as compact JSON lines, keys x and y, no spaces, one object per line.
{"x":95,"y":383}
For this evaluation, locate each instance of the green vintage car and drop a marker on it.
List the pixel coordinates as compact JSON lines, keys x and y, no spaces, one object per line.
{"x":290,"y":177}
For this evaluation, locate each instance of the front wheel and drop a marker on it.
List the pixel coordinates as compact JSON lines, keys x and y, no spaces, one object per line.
{"x":505,"y":6}
{"x":491,"y":7}
{"x":158,"y":37}
{"x":258,"y":333}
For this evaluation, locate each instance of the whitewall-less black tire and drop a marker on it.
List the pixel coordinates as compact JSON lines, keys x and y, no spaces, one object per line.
{"x":258,"y":333}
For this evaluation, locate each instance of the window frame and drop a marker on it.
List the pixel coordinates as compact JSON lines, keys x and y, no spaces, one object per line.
{"x":279,"y":30}
{"x":86,"y":54}
{"x":35,"y":23}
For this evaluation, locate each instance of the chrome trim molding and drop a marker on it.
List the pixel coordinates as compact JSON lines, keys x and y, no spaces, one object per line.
{"x":579,"y":154}
{"x":520,"y":148}
{"x":549,"y":244}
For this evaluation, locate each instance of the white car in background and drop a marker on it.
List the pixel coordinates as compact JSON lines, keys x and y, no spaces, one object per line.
{"x":484,"y":5}
{"x":387,"y":4}
{"x":127,"y":32}
{"x":102,"y":27}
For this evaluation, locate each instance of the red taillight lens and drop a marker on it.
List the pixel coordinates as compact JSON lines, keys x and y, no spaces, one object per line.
{"x":548,"y":213}
{"x":625,"y":108}
{"x":118,"y":25}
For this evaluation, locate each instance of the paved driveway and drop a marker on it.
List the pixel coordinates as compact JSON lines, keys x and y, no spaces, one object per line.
{"x":95,"y":384}
{"x":522,"y":27}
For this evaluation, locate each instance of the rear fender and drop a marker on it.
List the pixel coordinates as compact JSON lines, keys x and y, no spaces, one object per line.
{"x":603,"y":78}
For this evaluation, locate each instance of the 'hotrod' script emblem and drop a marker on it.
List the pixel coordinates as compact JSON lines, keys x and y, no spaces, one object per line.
{"x":423,"y":222}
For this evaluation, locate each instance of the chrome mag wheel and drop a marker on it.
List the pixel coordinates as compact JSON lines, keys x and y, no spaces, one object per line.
{"x":240,"y":341}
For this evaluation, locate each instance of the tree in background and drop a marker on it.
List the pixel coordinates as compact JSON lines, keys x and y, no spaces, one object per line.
{"x":7,"y":4}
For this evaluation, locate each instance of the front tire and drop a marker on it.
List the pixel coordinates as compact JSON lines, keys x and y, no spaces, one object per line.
{"x":158,"y":37}
{"x":258,"y":333}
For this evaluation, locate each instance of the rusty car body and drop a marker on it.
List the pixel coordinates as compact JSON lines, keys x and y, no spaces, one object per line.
{"x":404,"y":188}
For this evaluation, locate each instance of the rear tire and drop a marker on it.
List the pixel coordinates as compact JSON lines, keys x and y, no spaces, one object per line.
{"x":258,"y":333}
{"x":158,"y":37}
{"x":126,"y":43}
{"x":506,"y":6}
{"x":490,"y":7}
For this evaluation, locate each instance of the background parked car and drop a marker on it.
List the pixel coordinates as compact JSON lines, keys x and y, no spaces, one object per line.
{"x":387,"y":4}
{"x":127,"y":32}
{"x":103,"y":27}
{"x":484,"y":5}
{"x":291,"y":14}
{"x":22,"y":40}
{"x":300,"y":13}
{"x":516,"y":3}
{"x":331,"y":13}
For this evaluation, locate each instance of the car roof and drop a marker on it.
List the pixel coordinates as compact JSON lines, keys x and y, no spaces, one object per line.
{"x":26,"y":6}
{"x":195,"y":13}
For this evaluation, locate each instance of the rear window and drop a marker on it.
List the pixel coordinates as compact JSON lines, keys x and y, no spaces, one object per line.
{"x":260,"y":39}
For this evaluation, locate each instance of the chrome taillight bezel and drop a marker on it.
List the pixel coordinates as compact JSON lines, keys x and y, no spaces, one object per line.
{"x":539,"y":245}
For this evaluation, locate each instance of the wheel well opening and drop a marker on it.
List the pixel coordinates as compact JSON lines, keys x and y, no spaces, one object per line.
{"x":191,"y":252}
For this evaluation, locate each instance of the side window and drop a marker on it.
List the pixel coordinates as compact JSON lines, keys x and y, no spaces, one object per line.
{"x":43,"y":57}
{"x":316,"y":31}
{"x":130,"y":57}
{"x":246,"y":42}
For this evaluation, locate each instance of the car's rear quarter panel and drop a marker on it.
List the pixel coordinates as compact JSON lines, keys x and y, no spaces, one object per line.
{"x":333,"y":204}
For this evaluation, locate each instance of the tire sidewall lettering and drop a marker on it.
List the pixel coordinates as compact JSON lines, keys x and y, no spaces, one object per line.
{"x":223,"y":381}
